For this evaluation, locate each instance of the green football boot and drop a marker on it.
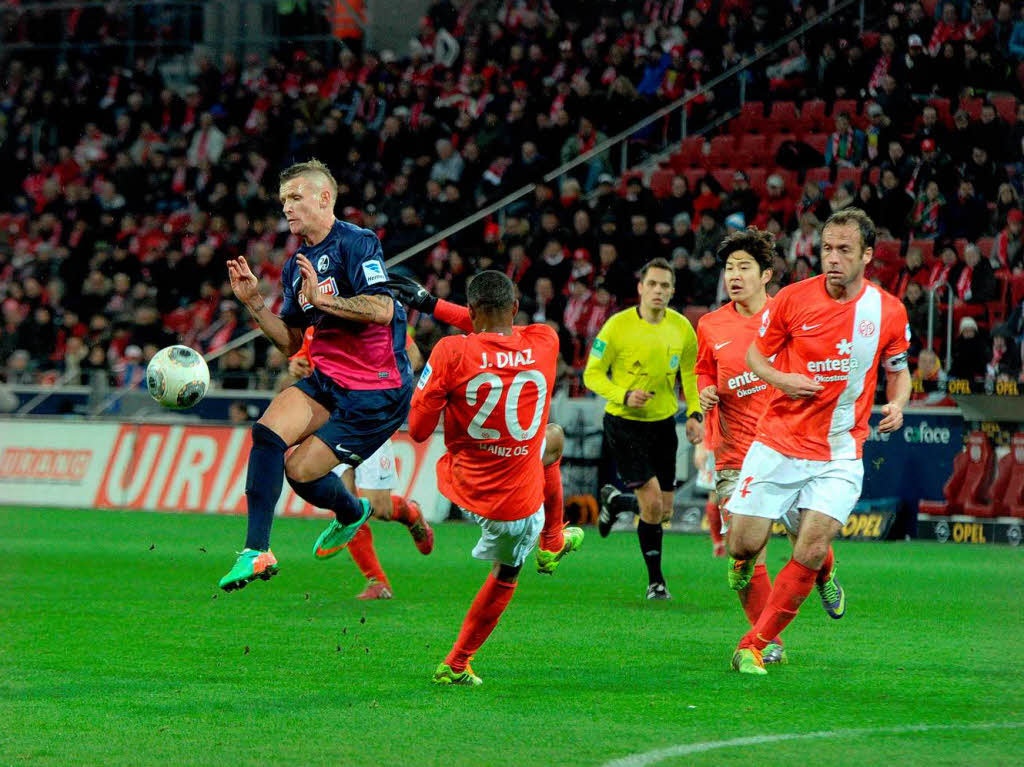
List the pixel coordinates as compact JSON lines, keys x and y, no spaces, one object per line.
{"x":740,"y":573}
{"x":547,"y":561}
{"x":336,"y":537}
{"x":748,"y":660}
{"x":445,"y":675}
{"x":833,"y":598}
{"x":250,"y":565}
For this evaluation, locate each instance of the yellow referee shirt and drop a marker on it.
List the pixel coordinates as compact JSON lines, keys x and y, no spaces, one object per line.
{"x":647,"y":357}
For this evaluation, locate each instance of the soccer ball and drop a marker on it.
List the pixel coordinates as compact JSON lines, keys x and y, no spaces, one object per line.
{"x":177,"y":377}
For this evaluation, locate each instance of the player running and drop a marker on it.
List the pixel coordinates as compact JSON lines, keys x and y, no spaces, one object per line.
{"x":734,"y":400}
{"x":827,"y":335}
{"x":357,"y":396}
{"x":374,"y":480}
{"x":494,"y":388}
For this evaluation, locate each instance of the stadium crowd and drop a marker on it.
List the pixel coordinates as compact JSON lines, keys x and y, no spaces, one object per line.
{"x":124,"y":194}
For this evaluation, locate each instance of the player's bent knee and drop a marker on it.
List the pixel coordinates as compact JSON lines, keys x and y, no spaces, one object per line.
{"x":554,"y":443}
{"x":297,"y":470}
{"x":810,"y":553}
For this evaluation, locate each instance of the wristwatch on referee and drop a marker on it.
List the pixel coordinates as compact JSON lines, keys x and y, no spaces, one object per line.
{"x":697,"y":416}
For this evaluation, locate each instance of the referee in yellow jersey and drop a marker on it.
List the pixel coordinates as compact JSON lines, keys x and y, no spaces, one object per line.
{"x":635,"y":362}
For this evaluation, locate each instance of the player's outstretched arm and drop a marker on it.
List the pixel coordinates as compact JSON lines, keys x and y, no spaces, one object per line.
{"x":374,"y":309}
{"x":417,"y":297}
{"x":246,"y":289}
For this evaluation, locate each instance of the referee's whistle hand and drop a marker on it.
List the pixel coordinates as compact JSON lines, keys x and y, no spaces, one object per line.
{"x":708,"y":397}
{"x":638,"y":398}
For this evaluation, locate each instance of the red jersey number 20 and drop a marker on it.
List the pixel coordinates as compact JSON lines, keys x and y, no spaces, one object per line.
{"x":495,"y":386}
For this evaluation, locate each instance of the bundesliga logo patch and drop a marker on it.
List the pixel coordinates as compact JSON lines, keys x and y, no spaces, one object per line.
{"x":374,"y":272}
{"x":424,"y":377}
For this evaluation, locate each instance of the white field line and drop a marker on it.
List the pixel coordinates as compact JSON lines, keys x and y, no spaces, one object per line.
{"x":653,"y":757}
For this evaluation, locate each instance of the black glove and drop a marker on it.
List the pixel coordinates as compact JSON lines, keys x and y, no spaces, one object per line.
{"x":411,"y":293}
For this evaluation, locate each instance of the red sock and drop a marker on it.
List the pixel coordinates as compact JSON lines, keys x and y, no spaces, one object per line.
{"x":792,"y":585}
{"x":365,"y":556}
{"x":403,"y":512}
{"x":826,"y":566}
{"x":714,"y":521}
{"x":755,"y":596}
{"x":551,"y":538}
{"x":483,"y":615}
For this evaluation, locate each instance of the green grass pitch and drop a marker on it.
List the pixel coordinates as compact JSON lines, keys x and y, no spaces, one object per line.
{"x":116,"y":648}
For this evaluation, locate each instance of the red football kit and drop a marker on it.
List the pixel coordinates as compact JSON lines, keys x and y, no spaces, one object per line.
{"x":723,"y":338}
{"x":495,"y":391}
{"x":839,"y":345}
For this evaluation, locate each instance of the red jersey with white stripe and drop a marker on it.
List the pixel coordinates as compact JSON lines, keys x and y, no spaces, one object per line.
{"x":839,"y":345}
{"x":723,"y":338}
{"x":495,"y":391}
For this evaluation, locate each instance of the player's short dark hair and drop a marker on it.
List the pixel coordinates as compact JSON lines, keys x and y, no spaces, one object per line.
{"x":757,"y":242}
{"x":860,"y":219}
{"x":310,"y":166}
{"x":657,"y":263}
{"x":491,"y":291}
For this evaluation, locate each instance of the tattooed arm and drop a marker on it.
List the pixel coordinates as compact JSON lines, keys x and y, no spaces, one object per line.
{"x":375,"y":309}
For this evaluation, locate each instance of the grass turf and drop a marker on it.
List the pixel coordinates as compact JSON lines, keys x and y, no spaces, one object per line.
{"x":116,"y":648}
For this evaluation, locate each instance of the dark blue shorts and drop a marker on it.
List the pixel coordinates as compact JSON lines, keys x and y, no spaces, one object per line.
{"x":361,"y":420}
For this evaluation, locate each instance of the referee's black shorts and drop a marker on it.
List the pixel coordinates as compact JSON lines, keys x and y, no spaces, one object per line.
{"x":643,"y":449}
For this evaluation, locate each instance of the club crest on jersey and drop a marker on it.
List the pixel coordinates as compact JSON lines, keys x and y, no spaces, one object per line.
{"x":764,"y":324}
{"x":323,"y":262}
{"x":866,"y":328}
{"x":374,"y":272}
{"x":327,"y":286}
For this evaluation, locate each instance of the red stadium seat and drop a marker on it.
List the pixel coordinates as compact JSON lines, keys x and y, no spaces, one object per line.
{"x":818,"y":141}
{"x":927,"y":248}
{"x":888,"y":251}
{"x":943,"y":109}
{"x":693,"y":177}
{"x":848,"y":174}
{"x":960,"y":243}
{"x":1006,"y":107}
{"x":690,"y":153}
{"x":1017,"y":289}
{"x":774,"y":142}
{"x":844,"y":105}
{"x":661,"y":182}
{"x":1010,"y":502}
{"x":969,"y":482}
{"x":874,"y":175}
{"x":724,"y":177}
{"x":783,"y":117}
{"x":812,"y":115}
{"x":985,"y":245}
{"x":972,"y":106}
{"x":757,"y":178}
{"x":750,"y":119}
{"x":722,"y":149}
{"x":755,"y":146}
{"x":997,"y":308}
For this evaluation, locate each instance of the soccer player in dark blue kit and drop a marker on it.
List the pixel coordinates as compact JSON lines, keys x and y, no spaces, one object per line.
{"x":358,"y":395}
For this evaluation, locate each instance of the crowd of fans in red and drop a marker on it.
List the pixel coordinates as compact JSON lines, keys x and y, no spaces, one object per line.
{"x":123,"y":196}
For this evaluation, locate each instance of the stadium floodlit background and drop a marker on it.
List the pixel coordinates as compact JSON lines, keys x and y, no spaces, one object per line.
{"x":565,"y":142}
